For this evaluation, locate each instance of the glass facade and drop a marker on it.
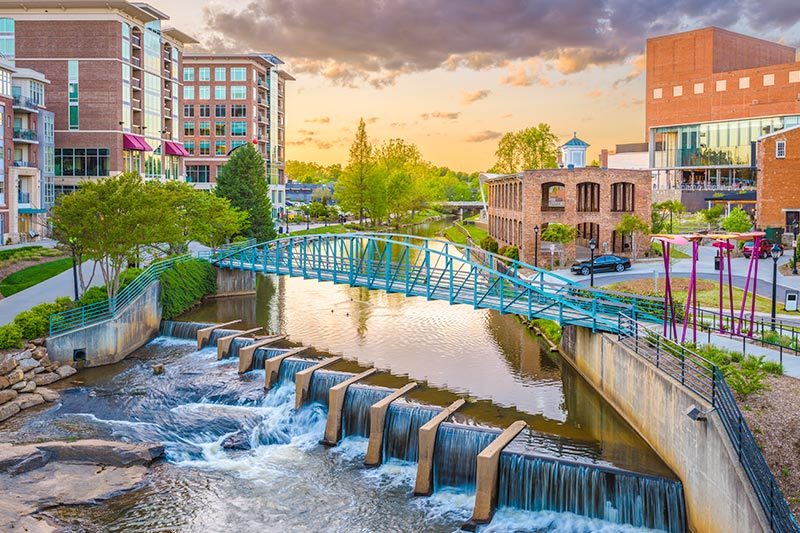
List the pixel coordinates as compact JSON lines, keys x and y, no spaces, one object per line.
{"x":7,"y":39}
{"x":72,"y":73}
{"x":81,"y":161}
{"x":273,"y":176}
{"x":238,"y":73}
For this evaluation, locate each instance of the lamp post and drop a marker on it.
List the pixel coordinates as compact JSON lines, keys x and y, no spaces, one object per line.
{"x":536,"y":245}
{"x":796,"y":249}
{"x":72,"y":242}
{"x":592,"y":246}
{"x":776,"y":253}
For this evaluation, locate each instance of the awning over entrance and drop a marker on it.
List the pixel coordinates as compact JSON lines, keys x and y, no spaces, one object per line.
{"x":173,"y":148}
{"x":134,"y":142}
{"x":31,"y":211}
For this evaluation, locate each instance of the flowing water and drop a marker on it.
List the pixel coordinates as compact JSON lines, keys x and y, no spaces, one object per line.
{"x":282,"y":479}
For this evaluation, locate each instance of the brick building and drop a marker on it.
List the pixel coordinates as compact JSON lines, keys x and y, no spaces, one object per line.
{"x":229,"y":100}
{"x":710,"y":94}
{"x":115,"y":95}
{"x":778,"y":192}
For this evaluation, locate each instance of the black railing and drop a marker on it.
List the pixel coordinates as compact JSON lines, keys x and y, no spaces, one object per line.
{"x":707,"y":380}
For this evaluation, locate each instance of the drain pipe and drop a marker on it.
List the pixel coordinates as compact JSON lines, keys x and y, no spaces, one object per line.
{"x":377,"y":420}
{"x":336,"y":395}
{"x":427,"y":444}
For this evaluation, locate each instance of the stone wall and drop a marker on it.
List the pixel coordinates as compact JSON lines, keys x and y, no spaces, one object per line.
{"x":718,"y":493}
{"x":235,"y":282}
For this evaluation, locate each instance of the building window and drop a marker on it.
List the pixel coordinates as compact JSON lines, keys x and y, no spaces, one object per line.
{"x":238,"y":92}
{"x":197,"y":173}
{"x":238,"y":74}
{"x":188,"y":74}
{"x":189,"y":145}
{"x":658,"y":94}
{"x":204,"y":74}
{"x":588,"y":197}
{"x":780,"y":150}
{"x":699,"y":88}
{"x":205,"y":110}
{"x":744,"y":83}
{"x":219,"y":111}
{"x":622,"y":194}
{"x":205,"y":129}
{"x":677,"y":90}
{"x":219,"y":74}
{"x":188,"y":129}
{"x":553,"y":197}
{"x":220,"y":148}
{"x":188,"y":92}
{"x":238,"y":111}
{"x":769,"y":80}
{"x":794,"y":76}
{"x":205,"y":148}
{"x":238,"y":129}
{"x":72,"y":73}
{"x":188,"y":110}
{"x":219,"y":129}
{"x":92,"y":162}
{"x":236,"y":144}
{"x":7,"y":37}
{"x":219,"y":92}
{"x":204,"y":92}
{"x":722,"y":86}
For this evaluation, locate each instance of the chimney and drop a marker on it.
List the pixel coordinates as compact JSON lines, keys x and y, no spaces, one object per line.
{"x":604,"y":158}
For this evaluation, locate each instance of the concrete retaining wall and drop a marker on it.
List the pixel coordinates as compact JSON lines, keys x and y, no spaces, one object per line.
{"x":114,"y":339}
{"x":235,"y":282}
{"x":719,"y":496}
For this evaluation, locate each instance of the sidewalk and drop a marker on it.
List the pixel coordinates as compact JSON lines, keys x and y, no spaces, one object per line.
{"x":46,"y":291}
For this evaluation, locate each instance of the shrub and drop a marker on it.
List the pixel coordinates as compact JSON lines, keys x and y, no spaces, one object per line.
{"x":93,"y":295}
{"x":35,"y":322}
{"x":489,"y":244}
{"x":549,"y":328}
{"x":512,"y":252}
{"x":773,"y":367}
{"x":10,"y":336}
{"x":186,"y":284}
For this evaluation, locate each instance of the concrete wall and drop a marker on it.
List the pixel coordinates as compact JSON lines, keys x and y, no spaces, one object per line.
{"x":235,"y":282}
{"x":719,"y":497}
{"x":113,"y":340}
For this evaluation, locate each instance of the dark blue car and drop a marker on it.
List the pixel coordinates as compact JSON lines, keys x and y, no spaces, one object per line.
{"x":603,"y":263}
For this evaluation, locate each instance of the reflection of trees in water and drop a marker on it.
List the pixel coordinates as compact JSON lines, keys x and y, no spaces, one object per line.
{"x":360,"y":309}
{"x":270,"y":296}
{"x":520,"y":348}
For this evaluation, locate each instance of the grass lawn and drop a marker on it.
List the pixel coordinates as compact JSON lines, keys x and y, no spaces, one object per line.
{"x":32,"y":275}
{"x":707,"y":293}
{"x":458,"y":237}
{"x":26,"y":253}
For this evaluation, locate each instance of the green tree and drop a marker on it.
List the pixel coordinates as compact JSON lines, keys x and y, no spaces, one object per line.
{"x":243,"y":182}
{"x":531,"y":148}
{"x":356,"y":190}
{"x":668,"y":210}
{"x":507,"y":154}
{"x":712,"y":215}
{"x":737,"y":221}
{"x":559,"y":233}
{"x":213,"y":220}
{"x":632,"y":224}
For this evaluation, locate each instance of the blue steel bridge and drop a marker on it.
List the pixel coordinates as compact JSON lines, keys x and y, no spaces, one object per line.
{"x":440,"y":270}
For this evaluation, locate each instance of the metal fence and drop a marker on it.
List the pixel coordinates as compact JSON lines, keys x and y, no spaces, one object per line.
{"x":85,"y":315}
{"x":707,"y":380}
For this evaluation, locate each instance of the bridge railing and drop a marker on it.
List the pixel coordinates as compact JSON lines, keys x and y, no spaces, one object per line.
{"x":707,"y":380}
{"x":86,"y":315}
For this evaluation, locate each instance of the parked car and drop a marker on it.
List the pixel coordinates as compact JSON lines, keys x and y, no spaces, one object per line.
{"x":603,"y":263}
{"x":764,"y":250}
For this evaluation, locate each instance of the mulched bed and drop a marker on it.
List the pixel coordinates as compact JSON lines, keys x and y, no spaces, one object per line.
{"x":774,"y":419}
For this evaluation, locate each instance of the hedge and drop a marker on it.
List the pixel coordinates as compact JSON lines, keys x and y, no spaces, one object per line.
{"x":184,"y":285}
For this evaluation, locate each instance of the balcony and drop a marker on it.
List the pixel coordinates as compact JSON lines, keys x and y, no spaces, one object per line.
{"x":136,"y":41}
{"x":24,"y":164}
{"x":262,"y":101}
{"x":26,"y":104}
{"x":136,"y":83}
{"x":23,"y":198}
{"x":262,"y":118}
{"x":137,"y":62}
{"x":25,"y":136}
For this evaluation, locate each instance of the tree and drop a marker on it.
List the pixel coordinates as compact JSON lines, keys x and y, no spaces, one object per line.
{"x":559,"y":233}
{"x":737,"y":221}
{"x":632,"y":225}
{"x":669,"y":208}
{"x":213,"y":220}
{"x":243,"y":182}
{"x":507,"y":154}
{"x":712,"y":215}
{"x":534,"y":147}
{"x":356,"y":188}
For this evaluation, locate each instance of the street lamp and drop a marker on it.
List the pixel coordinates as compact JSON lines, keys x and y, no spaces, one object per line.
{"x":776,"y":253}
{"x":592,"y":246}
{"x":796,"y":249}
{"x":72,"y":243}
{"x":536,"y":245}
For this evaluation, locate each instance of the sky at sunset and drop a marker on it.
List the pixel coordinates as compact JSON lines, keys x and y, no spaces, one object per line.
{"x":453,"y":75}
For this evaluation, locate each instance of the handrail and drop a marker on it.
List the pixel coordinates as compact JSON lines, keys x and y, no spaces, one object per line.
{"x":94,"y":313}
{"x":706,"y":379}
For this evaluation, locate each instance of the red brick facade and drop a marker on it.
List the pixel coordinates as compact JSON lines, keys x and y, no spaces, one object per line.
{"x":778,"y":189}
{"x":591,"y":199}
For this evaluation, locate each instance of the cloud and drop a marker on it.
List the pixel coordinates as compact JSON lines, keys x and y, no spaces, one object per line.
{"x":440,"y":114}
{"x":486,"y":135}
{"x":398,"y":124}
{"x":638,"y":65}
{"x":318,"y":120}
{"x":469,"y":98}
{"x":322,"y":145}
{"x":306,"y":132}
{"x":371,"y":120}
{"x":594,"y":94}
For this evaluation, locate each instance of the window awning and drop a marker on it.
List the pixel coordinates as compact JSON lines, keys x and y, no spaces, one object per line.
{"x":134,"y":142}
{"x":173,"y":148}
{"x":31,"y":210}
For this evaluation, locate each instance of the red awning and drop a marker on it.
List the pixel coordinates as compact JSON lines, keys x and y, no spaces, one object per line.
{"x":134,"y":142}
{"x":173,"y":148}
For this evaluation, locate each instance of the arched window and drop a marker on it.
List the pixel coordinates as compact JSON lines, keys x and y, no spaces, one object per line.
{"x":588,"y":197}
{"x":622,"y":195}
{"x":553,"y":196}
{"x":588,"y":231}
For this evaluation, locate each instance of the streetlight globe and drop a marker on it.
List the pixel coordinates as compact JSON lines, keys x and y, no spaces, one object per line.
{"x":592,"y":244}
{"x":776,"y":252}
{"x":536,"y":229}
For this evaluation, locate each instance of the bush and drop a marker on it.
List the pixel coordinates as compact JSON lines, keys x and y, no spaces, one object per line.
{"x":35,"y":322}
{"x":10,"y":336}
{"x":549,"y":328}
{"x":772,"y":367}
{"x":489,"y":244}
{"x":512,"y":252}
{"x":186,"y":284}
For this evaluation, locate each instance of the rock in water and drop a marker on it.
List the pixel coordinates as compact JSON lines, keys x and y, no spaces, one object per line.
{"x":25,"y":401}
{"x":65,"y":371}
{"x":238,"y":441}
{"x":46,"y":378}
{"x":8,"y":410}
{"x":158,"y":369}
{"x":49,"y":395}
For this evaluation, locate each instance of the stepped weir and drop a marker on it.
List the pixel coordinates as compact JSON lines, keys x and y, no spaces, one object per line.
{"x":509,"y":467}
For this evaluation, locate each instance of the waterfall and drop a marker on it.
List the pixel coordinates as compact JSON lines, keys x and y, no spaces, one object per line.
{"x":535,"y":484}
{"x":217,"y":334}
{"x":355,"y":411}
{"x":261,"y":355}
{"x":237,"y":344}
{"x":291,"y":366}
{"x":181,"y":330}
{"x":321,"y":383}
{"x":455,"y":455}
{"x":401,"y":429}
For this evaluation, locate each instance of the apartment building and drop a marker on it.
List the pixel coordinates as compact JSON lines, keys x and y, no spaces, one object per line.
{"x":115,"y":96}
{"x":230,"y":100}
{"x":778,"y":192}
{"x":710,"y":95}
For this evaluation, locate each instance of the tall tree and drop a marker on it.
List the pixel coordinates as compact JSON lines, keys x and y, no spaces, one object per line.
{"x":737,"y":221}
{"x":243,"y":181}
{"x":507,"y":154}
{"x":531,"y":148}
{"x":632,"y":225}
{"x":356,"y":188}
